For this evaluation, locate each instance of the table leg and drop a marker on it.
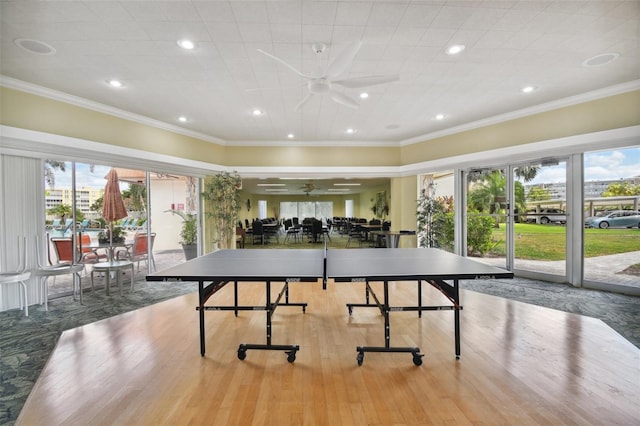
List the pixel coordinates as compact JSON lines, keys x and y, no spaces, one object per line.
{"x":201,"y":313}
{"x":456,"y":314}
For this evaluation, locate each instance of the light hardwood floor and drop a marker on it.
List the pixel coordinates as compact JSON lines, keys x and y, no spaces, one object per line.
{"x":520,"y":364}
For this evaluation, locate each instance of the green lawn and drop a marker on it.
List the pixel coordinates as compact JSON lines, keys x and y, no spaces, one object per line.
{"x":548,"y":242}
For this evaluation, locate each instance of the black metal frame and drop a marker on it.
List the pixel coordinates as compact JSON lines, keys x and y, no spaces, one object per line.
{"x":451,"y":292}
{"x":205,"y":292}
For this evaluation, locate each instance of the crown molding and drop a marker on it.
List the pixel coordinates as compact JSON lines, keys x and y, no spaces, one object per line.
{"x":12,"y":83}
{"x":16,"y":84}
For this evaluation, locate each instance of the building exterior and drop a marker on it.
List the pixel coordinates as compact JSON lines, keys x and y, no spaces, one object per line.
{"x":85,"y":197}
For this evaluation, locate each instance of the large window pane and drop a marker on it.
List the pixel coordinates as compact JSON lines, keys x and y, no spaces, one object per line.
{"x":486,"y":216}
{"x":612,"y":216}
{"x":436,"y":210}
{"x":167,"y":193}
{"x":540,"y":227}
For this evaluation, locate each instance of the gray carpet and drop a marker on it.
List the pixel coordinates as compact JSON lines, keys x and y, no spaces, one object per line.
{"x":26,"y":342}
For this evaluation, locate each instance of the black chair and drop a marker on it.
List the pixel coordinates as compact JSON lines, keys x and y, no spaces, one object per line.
{"x":291,"y":230}
{"x":355,"y":233}
{"x":272,"y":228}
{"x":316,"y":229}
{"x":258,"y":232}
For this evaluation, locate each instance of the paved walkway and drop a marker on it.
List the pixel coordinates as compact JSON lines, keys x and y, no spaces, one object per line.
{"x":605,"y":269}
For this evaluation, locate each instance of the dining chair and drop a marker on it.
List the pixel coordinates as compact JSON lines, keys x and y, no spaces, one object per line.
{"x":258,"y":232}
{"x":291,"y":231}
{"x":355,"y":233}
{"x":240,"y":236}
{"x":19,"y":275}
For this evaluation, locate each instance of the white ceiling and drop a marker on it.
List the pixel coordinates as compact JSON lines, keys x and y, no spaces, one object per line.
{"x":509,"y":44}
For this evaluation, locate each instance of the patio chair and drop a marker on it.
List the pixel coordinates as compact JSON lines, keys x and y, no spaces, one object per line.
{"x":19,"y":275}
{"x":63,"y":248}
{"x":55,"y":224}
{"x":139,"y":250}
{"x":46,"y":270}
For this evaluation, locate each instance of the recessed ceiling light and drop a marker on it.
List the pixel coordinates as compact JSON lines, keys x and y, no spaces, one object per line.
{"x":364,"y":95}
{"x":35,"y":46}
{"x":346,"y":184}
{"x":257,"y":112}
{"x":338,"y":189}
{"x":599,"y":60}
{"x":115,"y":83}
{"x":455,"y":49}
{"x":351,"y":131}
{"x":183,"y":119}
{"x":291,"y":136}
{"x":439,"y":117}
{"x":271,"y":184}
{"x":529,"y":89}
{"x":276,"y":190}
{"x":186,"y":44}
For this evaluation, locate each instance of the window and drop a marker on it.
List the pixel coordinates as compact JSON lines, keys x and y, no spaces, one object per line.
{"x":348,"y":208}
{"x":262,"y":209}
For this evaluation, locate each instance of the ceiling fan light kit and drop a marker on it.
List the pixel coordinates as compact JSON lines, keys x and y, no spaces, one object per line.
{"x":322,"y":82}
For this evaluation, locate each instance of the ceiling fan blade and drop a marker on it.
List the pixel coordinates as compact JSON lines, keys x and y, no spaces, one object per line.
{"x":275,"y":58}
{"x":344,"y":99}
{"x":303,"y":101}
{"x":344,"y":60}
{"x":370,"y":80}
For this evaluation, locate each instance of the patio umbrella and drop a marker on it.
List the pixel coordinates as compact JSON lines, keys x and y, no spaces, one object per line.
{"x":113,"y":205}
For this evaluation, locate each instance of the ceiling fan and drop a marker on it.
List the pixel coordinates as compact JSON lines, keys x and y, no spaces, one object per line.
{"x":321,"y":82}
{"x":308,"y":187}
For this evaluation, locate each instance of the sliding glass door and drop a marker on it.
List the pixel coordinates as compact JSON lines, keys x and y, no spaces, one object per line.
{"x":539,"y":228}
{"x":486,"y":215}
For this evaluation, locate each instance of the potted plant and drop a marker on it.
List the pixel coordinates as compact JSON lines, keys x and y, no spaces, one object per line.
{"x":222,"y":204}
{"x":188,"y":233}
{"x":106,"y":237}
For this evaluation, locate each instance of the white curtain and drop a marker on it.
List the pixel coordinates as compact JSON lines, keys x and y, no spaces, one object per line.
{"x":262,"y":209}
{"x":21,"y":215}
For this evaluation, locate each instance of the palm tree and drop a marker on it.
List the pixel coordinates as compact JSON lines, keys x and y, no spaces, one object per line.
{"x":50,"y":167}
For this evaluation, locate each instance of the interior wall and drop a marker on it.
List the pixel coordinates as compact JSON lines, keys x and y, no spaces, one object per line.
{"x":609,"y":113}
{"x":404,"y":196}
{"x":28,"y":111}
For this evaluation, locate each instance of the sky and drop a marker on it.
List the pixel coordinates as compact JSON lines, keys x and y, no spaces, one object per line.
{"x":85,"y":178}
{"x":600,"y":165}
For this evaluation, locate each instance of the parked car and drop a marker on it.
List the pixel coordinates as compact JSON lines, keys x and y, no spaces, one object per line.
{"x":547,"y":216}
{"x":615,"y":219}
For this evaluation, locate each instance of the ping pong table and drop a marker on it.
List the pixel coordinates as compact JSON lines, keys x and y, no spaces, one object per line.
{"x":438,"y":268}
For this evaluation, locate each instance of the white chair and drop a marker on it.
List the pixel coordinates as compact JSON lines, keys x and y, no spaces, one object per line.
{"x":20,"y":275}
{"x":45,"y":270}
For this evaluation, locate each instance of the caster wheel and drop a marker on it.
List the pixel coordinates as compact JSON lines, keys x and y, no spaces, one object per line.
{"x":291,"y":356}
{"x":242,"y":354}
{"x":304,"y":309}
{"x":360,"y":358}
{"x":417,"y":359}
{"x":350,"y":310}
